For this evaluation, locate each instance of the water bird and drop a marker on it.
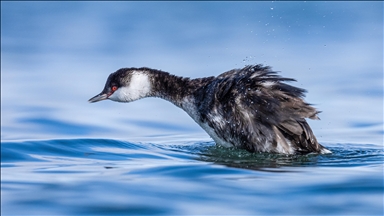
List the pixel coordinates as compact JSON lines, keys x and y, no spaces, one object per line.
{"x":251,"y":108}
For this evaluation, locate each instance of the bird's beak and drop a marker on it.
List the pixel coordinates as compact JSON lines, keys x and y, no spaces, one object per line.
{"x":99,"y":97}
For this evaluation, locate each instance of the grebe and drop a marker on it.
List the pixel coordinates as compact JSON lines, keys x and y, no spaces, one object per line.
{"x":250,"y":108}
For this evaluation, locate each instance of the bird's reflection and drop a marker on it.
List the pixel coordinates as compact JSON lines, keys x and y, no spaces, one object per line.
{"x":240,"y":158}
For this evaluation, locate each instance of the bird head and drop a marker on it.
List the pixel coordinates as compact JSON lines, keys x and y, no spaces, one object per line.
{"x":125,"y":85}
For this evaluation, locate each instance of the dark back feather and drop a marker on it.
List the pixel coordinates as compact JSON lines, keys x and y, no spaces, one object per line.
{"x":259,"y":110}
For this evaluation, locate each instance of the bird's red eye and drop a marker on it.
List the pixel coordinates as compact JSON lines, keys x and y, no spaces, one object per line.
{"x":114,"y":88}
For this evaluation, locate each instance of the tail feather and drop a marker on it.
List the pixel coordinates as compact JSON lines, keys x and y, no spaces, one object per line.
{"x":301,"y":136}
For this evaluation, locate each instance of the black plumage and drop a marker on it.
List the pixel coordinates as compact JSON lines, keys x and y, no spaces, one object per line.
{"x":252,"y":108}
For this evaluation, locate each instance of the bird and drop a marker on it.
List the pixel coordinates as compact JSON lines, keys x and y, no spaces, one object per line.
{"x":250,"y":108}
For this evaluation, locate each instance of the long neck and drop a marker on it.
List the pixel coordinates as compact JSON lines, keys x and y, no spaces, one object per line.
{"x":174,"y":88}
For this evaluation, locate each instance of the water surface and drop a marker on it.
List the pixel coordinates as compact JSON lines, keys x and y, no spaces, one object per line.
{"x":61,"y":155}
{"x":99,"y":176}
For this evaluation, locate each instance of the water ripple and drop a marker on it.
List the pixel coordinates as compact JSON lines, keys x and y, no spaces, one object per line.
{"x":98,"y":176}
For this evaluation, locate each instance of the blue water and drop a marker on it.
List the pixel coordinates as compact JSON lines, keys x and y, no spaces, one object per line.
{"x":100,"y":176}
{"x":61,"y":155}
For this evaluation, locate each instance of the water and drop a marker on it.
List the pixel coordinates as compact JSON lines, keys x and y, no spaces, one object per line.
{"x":61,"y":155}
{"x":100,"y":176}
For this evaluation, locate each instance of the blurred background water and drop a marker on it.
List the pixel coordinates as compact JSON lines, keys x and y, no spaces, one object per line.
{"x":62,"y":155}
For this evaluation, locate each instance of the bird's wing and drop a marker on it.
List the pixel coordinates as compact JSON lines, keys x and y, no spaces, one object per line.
{"x":255,"y":108}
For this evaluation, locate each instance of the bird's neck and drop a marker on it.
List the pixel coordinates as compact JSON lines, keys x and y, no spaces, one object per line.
{"x":173,"y":88}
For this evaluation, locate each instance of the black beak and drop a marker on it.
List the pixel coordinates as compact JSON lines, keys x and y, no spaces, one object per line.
{"x":99,"y":97}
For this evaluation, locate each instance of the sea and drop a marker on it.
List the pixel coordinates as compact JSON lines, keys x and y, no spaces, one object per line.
{"x":61,"y":155}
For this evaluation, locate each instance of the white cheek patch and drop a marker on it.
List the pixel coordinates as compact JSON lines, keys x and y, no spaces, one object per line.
{"x":120,"y":95}
{"x":138,"y":87}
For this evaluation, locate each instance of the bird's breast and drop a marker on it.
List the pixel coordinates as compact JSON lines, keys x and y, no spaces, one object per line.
{"x":217,"y":121}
